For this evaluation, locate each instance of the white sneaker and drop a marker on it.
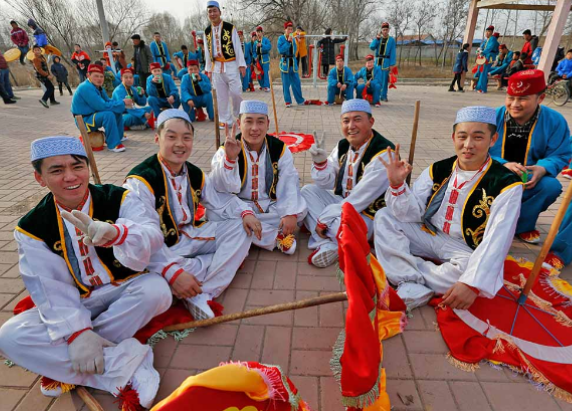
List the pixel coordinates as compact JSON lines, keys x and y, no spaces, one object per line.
{"x":146,"y":381}
{"x":414,"y":295}
{"x":118,"y":149}
{"x":266,"y":89}
{"x":324,"y":256}
{"x":124,"y":138}
{"x":199,"y":307}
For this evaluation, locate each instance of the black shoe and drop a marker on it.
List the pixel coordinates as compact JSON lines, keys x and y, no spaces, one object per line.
{"x":71,"y":93}
{"x":461,"y":90}
{"x":451,"y":90}
{"x":8,"y":101}
{"x":54,"y":103}
{"x":44,"y":103}
{"x":61,"y":93}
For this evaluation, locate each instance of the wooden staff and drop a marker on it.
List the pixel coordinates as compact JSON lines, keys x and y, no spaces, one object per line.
{"x":87,"y":398}
{"x":87,"y":145}
{"x":273,"y":102}
{"x":217,"y":130}
{"x":294,"y":305}
{"x":547,"y":244}
{"x":413,"y":137}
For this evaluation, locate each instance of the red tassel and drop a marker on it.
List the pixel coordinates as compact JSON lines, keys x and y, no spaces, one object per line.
{"x":216,"y":307}
{"x":128,"y":399}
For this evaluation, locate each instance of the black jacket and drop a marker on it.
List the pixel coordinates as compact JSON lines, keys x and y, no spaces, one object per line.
{"x":59,"y":71}
{"x":329,"y":51}
{"x":144,"y":53}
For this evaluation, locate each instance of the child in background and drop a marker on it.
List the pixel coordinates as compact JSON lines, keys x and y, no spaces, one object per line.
{"x":60,"y":72}
{"x":460,"y":67}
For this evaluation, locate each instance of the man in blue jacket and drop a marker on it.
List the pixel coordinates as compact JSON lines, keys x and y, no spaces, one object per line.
{"x":162,"y":91}
{"x":340,"y":81}
{"x":563,"y":70}
{"x":289,"y":67}
{"x":384,"y":47}
{"x":371,"y":76}
{"x":247,"y":50}
{"x":196,"y":92}
{"x":183,"y":58}
{"x":133,"y":118}
{"x":262,"y":47}
{"x":489,"y":50}
{"x":533,"y":142}
{"x":98,"y":110}
{"x":160,"y":53}
{"x":501,"y":65}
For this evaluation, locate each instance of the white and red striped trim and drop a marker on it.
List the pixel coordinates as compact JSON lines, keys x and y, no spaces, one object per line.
{"x":174,"y":277}
{"x":171,"y":272}
{"x":246,"y":212}
{"x":122,"y":232}
{"x":397,"y":190}
{"x":321,"y":166}
{"x":229,"y":164}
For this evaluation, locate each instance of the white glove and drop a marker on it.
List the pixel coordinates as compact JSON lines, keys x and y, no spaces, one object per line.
{"x":319,"y":155}
{"x":86,"y":353}
{"x":96,"y":233}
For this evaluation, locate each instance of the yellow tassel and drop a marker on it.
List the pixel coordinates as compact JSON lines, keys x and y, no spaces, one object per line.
{"x":54,"y":385}
{"x":563,"y":319}
{"x":562,"y":395}
{"x":499,"y":347}
{"x":465,"y":366}
{"x":285,"y":243}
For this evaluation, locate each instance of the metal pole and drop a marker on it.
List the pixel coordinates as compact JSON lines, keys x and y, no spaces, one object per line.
{"x":315,"y":64}
{"x":347,"y":51}
{"x":105,"y":31}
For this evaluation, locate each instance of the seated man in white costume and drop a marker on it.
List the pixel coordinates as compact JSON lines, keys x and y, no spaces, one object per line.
{"x":88,"y":280}
{"x":351,"y":174}
{"x":461,"y":212}
{"x":199,"y":258}
{"x":260,"y":170}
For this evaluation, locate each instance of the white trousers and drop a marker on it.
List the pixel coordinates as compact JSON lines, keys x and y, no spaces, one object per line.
{"x":228,"y":87}
{"x":397,"y":244}
{"x":118,"y":312}
{"x":317,"y":199}
{"x":214,"y":261}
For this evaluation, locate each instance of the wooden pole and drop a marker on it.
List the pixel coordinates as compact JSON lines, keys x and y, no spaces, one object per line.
{"x":87,"y":145}
{"x":87,"y":398}
{"x":294,"y":305}
{"x":547,"y":244}
{"x":273,"y":102}
{"x":413,"y":137}
{"x":216,"y":120}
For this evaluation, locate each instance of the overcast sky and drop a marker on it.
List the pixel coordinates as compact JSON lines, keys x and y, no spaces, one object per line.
{"x":178,"y":8}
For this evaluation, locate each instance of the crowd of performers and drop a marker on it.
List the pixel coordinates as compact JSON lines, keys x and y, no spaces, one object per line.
{"x":100,"y":261}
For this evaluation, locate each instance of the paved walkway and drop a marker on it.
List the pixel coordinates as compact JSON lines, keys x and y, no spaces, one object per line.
{"x":300,"y":342}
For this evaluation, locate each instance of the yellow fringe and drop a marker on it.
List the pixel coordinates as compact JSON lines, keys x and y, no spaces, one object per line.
{"x":562,"y":395}
{"x":563,"y":319}
{"x":286,"y":242}
{"x":499,"y":347}
{"x":55,"y":384}
{"x":465,"y":366}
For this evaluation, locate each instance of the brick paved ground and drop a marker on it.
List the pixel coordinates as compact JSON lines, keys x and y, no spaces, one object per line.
{"x":300,"y":342}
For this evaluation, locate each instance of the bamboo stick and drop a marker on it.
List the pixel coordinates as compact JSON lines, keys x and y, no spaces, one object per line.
{"x":413,"y":137}
{"x":91,"y":403}
{"x":216,"y":120}
{"x":87,"y":146}
{"x":273,"y":102}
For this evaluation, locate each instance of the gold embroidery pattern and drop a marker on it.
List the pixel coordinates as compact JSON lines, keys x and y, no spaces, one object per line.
{"x":275,"y":180}
{"x":210,"y":44}
{"x":58,"y":246}
{"x":160,"y":211}
{"x":479,"y":211}
{"x":226,"y":36}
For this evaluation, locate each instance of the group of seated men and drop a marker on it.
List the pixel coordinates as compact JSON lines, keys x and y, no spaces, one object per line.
{"x":120,"y":112}
{"x":100,"y":261}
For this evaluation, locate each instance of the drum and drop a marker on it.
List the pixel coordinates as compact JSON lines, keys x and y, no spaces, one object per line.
{"x":481,"y":60}
{"x":96,"y":139}
{"x":49,"y":49}
{"x":12,"y":55}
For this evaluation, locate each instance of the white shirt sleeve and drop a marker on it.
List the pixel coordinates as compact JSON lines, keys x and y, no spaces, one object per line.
{"x":224,"y":174}
{"x":289,"y":200}
{"x":224,"y":204}
{"x":238,"y":48}
{"x":408,"y":205}
{"x":52,"y":288}
{"x":208,"y":63}
{"x":326,"y":178}
{"x":485,"y":268}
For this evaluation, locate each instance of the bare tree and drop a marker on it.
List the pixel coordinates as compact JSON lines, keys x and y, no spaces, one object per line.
{"x":425,"y":14}
{"x":453,"y":25}
{"x":400,"y":18}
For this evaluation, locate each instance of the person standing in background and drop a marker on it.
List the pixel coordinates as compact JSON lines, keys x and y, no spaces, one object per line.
{"x":81,"y":60}
{"x":44,"y":76}
{"x":143,"y":58}
{"x":60,"y":72}
{"x":5,"y":86}
{"x":302,"y":55}
{"x":20,"y":38}
{"x":460,"y":68}
{"x":327,"y":44}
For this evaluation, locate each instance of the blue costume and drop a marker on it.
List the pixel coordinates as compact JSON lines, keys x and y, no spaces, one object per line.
{"x":247,"y":49}
{"x":385,"y":59}
{"x":490,"y":50}
{"x":98,"y":110}
{"x":190,"y":56}
{"x":548,"y":146}
{"x":158,"y":93}
{"x":562,"y":245}
{"x":500,"y":69}
{"x":132,"y":116}
{"x":262,"y":55}
{"x":564,"y":68}
{"x":199,"y":92}
{"x":289,"y":70}
{"x":345,"y":77}
{"x":375,"y":83}
{"x":160,"y":53}
{"x":201,"y":55}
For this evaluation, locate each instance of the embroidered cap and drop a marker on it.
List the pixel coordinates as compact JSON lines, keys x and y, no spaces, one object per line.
{"x":496,"y":34}
{"x":253,"y":107}
{"x":339,"y":57}
{"x":192,"y":63}
{"x":526,"y":83}
{"x":369,"y":57}
{"x":477,"y":114}
{"x":356,"y":105}
{"x":288,"y":24}
{"x":253,"y":34}
{"x":491,"y":28}
{"x":259,"y":28}
{"x":240,"y":33}
{"x":200,"y":41}
{"x":154,"y":66}
{"x":56,"y":146}
{"x":213,"y":3}
{"x":95,"y":68}
{"x":127,"y":70}
{"x":385,"y":25}
{"x":170,"y":114}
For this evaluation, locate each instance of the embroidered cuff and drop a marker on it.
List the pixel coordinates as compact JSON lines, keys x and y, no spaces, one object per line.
{"x":174,"y":277}
{"x":122,"y":232}
{"x":170,"y":271}
{"x":246,"y":212}
{"x":397,"y":190}
{"x":321,"y":226}
{"x":321,"y":166}
{"x":229,"y":164}
{"x":77,"y":334}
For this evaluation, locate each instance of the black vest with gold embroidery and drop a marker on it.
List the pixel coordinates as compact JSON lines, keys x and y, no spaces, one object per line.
{"x":152,"y":174}
{"x":476,"y":211}
{"x":275,"y":148}
{"x":226,"y":45}
{"x":377,"y":145}
{"x":44,"y":222}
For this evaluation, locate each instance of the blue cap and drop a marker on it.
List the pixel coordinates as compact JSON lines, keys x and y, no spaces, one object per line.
{"x":171,"y":113}
{"x":213,"y":3}
{"x":356,"y":105}
{"x":477,"y":114}
{"x":56,"y":146}
{"x":253,"y":107}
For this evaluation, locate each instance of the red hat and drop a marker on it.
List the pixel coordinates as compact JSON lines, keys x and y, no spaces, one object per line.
{"x":192,"y":63}
{"x":108,"y":44}
{"x":240,"y":32}
{"x":259,"y":28}
{"x":253,"y":34}
{"x":502,"y":46}
{"x":526,"y":83}
{"x":369,"y":57}
{"x":95,"y":68}
{"x":497,"y":35}
{"x":200,"y":41}
{"x":340,"y":57}
{"x":154,"y":66}
{"x":385,"y":25}
{"x":127,"y":70}
{"x":491,"y":28}
{"x":288,"y":24}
